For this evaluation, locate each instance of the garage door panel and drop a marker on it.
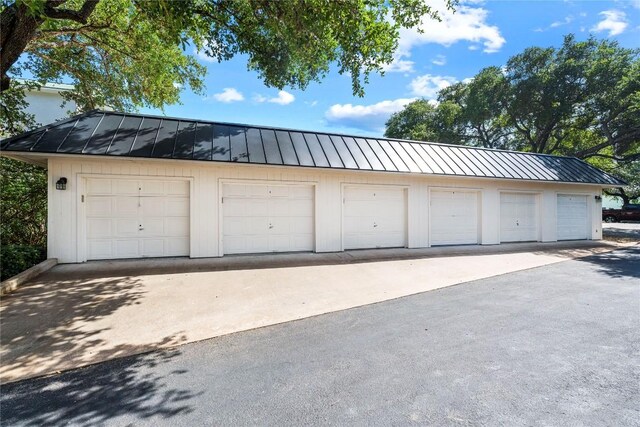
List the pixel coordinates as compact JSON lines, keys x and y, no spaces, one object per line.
{"x":518,"y":217}
{"x":100,"y":206}
{"x":153,"y":227}
{"x":99,"y":228}
{"x":273,"y":218}
{"x":100,"y":249}
{"x":279,"y":191}
{"x":235,"y":190}
{"x":301,"y":224}
{"x":125,"y":187}
{"x":300,"y":208}
{"x":177,"y":188}
{"x":177,"y":207}
{"x":235,"y":207}
{"x":301,"y":192}
{"x":302,"y":241}
{"x":152,"y":188}
{"x":280,"y":225}
{"x":124,"y":227}
{"x":176,"y":246}
{"x":278,"y":207}
{"x":126,"y":248}
{"x":153,"y":247}
{"x":176,"y":227}
{"x":124,"y":206}
{"x":374,"y":217}
{"x":261,"y":191}
{"x":151,"y":206}
{"x":572,"y":217}
{"x":99,"y":187}
{"x":137,"y":218}
{"x":453,"y":217}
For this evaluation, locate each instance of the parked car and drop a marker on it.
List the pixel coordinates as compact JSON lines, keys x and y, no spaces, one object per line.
{"x":627,"y":213}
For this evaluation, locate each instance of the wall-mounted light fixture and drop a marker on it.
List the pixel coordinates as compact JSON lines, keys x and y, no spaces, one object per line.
{"x":61,"y":184}
{"x":598,"y":198}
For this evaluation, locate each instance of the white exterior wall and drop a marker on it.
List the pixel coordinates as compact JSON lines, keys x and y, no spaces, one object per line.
{"x":65,"y":215}
{"x":46,"y":106}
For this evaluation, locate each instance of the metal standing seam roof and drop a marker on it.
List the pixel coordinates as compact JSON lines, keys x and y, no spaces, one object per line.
{"x":107,"y":133}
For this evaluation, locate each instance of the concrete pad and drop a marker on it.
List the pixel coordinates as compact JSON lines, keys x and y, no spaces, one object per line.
{"x":75,"y":315}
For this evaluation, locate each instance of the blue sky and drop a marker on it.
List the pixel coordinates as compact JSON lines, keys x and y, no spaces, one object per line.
{"x":479,"y":34}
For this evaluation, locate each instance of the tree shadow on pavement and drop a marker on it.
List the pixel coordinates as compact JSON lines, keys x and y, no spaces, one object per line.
{"x":95,"y":394}
{"x":48,"y":326}
{"x":619,"y":264}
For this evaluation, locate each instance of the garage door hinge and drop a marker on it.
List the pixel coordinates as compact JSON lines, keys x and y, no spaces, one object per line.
{"x":223,"y":200}
{"x":82,"y":198}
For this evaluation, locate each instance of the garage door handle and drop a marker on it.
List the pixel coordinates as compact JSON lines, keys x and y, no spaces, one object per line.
{"x":270,"y":226}
{"x":140,"y":227}
{"x":375,"y":225}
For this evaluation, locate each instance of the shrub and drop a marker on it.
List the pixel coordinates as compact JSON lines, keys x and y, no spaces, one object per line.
{"x":15,"y":259}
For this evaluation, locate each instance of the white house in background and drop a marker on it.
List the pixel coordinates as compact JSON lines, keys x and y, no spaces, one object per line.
{"x":46,"y":102}
{"x":132,"y":186}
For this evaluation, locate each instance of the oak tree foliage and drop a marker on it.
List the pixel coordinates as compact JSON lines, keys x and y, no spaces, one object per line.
{"x":131,"y":53}
{"x":581,"y":99}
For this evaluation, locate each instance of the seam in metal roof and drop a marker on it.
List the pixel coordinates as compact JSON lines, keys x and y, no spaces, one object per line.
{"x":109,"y":133}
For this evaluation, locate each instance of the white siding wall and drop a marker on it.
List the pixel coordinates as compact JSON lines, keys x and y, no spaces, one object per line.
{"x":206,"y":178}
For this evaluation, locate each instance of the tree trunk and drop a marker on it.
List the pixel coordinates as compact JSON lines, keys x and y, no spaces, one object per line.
{"x":18,"y":28}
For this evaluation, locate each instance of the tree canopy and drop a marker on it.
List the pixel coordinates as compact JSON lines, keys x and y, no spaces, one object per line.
{"x":131,"y":53}
{"x":581,"y":99}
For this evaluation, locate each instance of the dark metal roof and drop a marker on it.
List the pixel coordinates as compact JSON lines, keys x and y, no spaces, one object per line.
{"x":104,"y":133}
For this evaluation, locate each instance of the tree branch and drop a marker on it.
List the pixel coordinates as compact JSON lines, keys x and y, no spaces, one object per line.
{"x":80,"y":16}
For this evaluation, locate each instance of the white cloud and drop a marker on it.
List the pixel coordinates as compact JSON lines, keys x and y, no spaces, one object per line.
{"x":283,"y":98}
{"x":635,"y":3}
{"x":565,"y":21}
{"x":366,"y":117}
{"x":439,"y":60}
{"x":311,"y":103}
{"x":428,"y":86}
{"x":614,"y":21}
{"x":399,"y":66}
{"x":468,"y":23}
{"x":228,"y":94}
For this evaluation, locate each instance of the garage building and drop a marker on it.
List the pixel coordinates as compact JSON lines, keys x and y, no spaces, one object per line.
{"x":132,"y":186}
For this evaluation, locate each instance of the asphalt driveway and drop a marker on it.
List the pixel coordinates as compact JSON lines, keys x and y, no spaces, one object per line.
{"x":553,"y":345}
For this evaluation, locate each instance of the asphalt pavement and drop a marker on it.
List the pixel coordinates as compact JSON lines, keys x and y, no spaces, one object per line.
{"x":554,"y":345}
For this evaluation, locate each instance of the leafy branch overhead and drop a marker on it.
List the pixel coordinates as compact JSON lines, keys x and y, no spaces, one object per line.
{"x":582,"y":100}
{"x":131,"y":53}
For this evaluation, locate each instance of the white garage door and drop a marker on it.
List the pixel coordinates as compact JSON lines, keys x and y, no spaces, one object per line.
{"x":573,"y":217}
{"x":267,"y":218}
{"x":454,"y":217}
{"x":134,"y":218}
{"x":518,"y":217}
{"x":374,"y":217}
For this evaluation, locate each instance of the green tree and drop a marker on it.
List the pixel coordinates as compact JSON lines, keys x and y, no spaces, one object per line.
{"x":416,"y":121}
{"x":582,"y":100}
{"x":131,"y":53}
{"x":481,"y":118}
{"x":24,"y":203}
